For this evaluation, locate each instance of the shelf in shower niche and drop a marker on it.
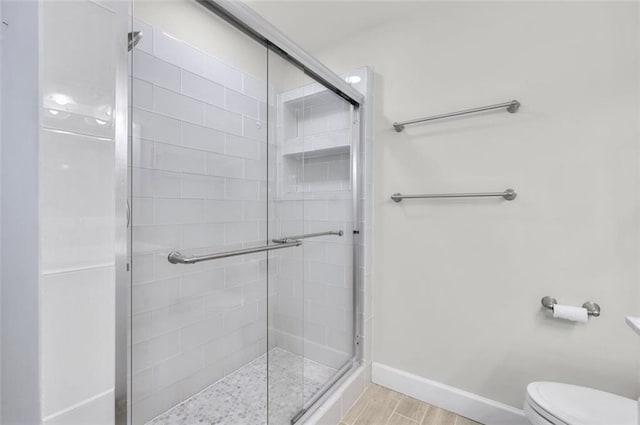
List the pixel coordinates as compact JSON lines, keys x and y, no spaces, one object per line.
{"x":309,"y":95}
{"x":322,"y":144}
{"x":315,"y":153}
{"x":336,"y":195}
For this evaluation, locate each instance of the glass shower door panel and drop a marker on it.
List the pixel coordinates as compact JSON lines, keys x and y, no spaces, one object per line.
{"x":199,"y":180}
{"x":327,"y":185}
{"x":312,"y":302}
{"x":286,"y":267}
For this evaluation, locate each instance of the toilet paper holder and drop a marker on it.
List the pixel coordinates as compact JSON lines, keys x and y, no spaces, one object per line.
{"x":593,"y":309}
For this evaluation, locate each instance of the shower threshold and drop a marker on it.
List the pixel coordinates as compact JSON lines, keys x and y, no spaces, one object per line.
{"x":240,"y":398}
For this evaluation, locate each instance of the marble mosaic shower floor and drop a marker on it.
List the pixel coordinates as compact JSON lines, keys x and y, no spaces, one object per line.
{"x":241,"y":397}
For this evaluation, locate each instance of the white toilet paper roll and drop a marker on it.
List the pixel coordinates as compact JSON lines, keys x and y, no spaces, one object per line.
{"x":569,"y":312}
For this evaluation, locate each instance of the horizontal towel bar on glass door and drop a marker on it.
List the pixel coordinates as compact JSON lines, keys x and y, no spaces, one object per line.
{"x":308,"y":235}
{"x":176,"y":258}
{"x":512,"y":107}
{"x":508,"y":194}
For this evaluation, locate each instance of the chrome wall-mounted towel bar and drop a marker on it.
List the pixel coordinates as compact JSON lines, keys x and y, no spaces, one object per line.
{"x":508,"y":194}
{"x":308,"y":235}
{"x":177,"y":258}
{"x":512,"y":107}
{"x":593,"y":309}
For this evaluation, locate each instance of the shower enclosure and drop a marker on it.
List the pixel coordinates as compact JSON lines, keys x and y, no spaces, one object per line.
{"x":244,"y":203}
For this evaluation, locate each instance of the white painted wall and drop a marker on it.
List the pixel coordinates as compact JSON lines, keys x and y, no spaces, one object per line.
{"x":458,"y":282}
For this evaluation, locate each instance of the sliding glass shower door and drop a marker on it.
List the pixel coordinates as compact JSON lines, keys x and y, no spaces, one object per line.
{"x":241,"y":225}
{"x":311,"y":194}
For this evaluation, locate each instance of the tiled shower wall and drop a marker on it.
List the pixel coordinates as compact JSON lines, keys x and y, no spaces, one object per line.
{"x":79,"y":79}
{"x":199,"y":185}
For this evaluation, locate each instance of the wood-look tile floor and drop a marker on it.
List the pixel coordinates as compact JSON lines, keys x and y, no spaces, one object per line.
{"x":382,"y":406}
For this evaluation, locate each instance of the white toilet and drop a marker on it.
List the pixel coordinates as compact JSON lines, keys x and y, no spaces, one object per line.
{"x":553,"y":403}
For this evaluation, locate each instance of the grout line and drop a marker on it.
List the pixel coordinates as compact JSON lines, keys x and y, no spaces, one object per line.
{"x":363,"y":409}
{"x":404,"y":416}
{"x":394,"y":408}
{"x":424,"y":415}
{"x":393,"y":411}
{"x":49,"y":272}
{"x":458,"y":417}
{"x":397,"y":403}
{"x":95,"y":138}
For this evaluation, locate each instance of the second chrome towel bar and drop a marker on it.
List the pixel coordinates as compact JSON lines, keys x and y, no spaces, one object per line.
{"x":508,"y":194}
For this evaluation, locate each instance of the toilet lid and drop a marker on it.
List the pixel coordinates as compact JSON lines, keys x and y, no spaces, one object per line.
{"x":576,"y":405}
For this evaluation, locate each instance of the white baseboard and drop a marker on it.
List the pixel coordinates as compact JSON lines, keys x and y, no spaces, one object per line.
{"x":461,"y":402}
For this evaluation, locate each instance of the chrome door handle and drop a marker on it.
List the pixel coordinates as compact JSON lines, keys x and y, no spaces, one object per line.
{"x":177,"y":258}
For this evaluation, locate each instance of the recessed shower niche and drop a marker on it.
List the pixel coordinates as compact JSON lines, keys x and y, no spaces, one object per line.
{"x":314,"y":143}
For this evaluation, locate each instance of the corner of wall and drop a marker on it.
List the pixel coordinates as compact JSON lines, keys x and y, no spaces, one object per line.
{"x":19,"y":214}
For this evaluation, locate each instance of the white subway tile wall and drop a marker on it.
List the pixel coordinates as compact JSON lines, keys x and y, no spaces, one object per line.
{"x":198,"y":186}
